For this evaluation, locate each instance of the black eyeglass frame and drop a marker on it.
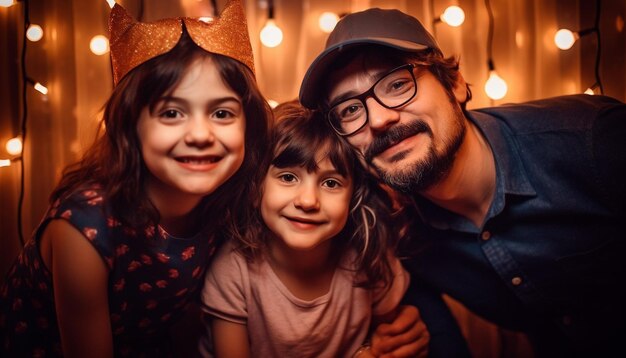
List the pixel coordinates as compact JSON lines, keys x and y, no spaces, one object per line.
{"x":370,"y":93}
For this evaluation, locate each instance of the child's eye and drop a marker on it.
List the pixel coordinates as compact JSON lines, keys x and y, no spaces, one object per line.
{"x":331,"y":183}
{"x":223,"y":114}
{"x":287,"y":177}
{"x":170,"y":113}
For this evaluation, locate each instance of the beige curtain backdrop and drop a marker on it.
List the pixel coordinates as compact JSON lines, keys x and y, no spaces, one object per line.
{"x":61,"y":124}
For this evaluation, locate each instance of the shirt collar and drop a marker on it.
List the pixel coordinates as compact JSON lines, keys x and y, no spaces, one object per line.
{"x":511,"y":176}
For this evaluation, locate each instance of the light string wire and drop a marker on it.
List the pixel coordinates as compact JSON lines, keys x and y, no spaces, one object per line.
{"x":596,"y":27}
{"x":489,"y":36}
{"x":20,"y":202}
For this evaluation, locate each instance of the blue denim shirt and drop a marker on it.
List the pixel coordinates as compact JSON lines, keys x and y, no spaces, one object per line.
{"x":549,"y":258}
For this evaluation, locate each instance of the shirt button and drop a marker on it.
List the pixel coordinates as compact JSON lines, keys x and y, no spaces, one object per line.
{"x":516,"y":281}
{"x":486,"y":235}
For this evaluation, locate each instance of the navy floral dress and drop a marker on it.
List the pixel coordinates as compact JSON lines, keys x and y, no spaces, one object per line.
{"x":153,"y":277}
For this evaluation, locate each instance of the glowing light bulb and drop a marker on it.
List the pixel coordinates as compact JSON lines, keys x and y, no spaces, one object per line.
{"x":34,"y":32}
{"x":206,"y":19}
{"x":111,"y":3}
{"x":272,"y":103}
{"x":589,"y":91}
{"x":41,"y":88}
{"x":495,"y":87}
{"x":453,"y":16}
{"x":564,"y":39}
{"x":6,"y":3}
{"x":271,"y":35}
{"x":5,"y":162}
{"x":99,"y":45}
{"x":14,"y":146}
{"x":328,"y":21}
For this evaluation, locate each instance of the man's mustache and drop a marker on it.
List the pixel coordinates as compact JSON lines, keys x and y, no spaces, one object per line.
{"x":395,"y":135}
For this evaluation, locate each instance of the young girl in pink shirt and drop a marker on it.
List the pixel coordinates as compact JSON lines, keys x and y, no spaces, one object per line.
{"x":311,"y":269}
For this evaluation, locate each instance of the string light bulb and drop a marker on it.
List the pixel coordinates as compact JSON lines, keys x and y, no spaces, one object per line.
{"x":41,"y":88}
{"x":564,"y":39}
{"x":272,"y":103}
{"x":453,"y":16}
{"x":495,"y":87}
{"x":328,"y":21}
{"x":99,"y":45}
{"x":14,"y":146}
{"x":34,"y":33}
{"x":271,"y":35}
{"x":6,"y":3}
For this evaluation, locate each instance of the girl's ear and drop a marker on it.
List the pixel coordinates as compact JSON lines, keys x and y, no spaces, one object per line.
{"x":460,"y":89}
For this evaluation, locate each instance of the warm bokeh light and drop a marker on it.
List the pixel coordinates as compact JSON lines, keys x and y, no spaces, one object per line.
{"x":271,"y":35}
{"x":41,"y":88}
{"x":495,"y":87}
{"x":589,"y":91}
{"x":328,"y":21}
{"x":206,"y":19}
{"x":5,"y":162}
{"x":453,"y":16}
{"x":272,"y":103}
{"x":99,"y":45}
{"x":14,"y":146}
{"x":6,"y":3}
{"x":111,"y":3}
{"x":564,"y":39}
{"x":34,"y":32}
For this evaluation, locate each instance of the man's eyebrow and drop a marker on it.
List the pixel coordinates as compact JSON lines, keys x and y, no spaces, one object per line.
{"x":344,"y":96}
{"x":352,"y":93}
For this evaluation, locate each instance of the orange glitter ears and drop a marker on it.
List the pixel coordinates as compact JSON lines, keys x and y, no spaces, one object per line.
{"x":133,"y":43}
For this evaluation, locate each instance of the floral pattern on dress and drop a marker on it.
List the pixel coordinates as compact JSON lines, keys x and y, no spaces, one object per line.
{"x":151,"y":282}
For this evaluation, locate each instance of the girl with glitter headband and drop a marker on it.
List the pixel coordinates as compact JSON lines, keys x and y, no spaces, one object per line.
{"x":131,"y":228}
{"x":311,"y":269}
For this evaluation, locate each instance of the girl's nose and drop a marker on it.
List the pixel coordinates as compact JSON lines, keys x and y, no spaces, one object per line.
{"x":379,"y":117}
{"x":307,"y":198}
{"x":199,"y":132}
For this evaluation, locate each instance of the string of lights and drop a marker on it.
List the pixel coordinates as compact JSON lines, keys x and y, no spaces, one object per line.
{"x":271,"y":36}
{"x":495,"y":87}
{"x":564,"y":39}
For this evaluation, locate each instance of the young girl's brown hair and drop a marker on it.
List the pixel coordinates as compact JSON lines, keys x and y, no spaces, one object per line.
{"x":114,"y":161}
{"x":371,"y":230}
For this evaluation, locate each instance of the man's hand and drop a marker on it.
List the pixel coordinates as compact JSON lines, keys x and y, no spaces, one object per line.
{"x":406,"y":336}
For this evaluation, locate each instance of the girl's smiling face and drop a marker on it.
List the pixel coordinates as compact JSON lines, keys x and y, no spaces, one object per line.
{"x":192,"y":138}
{"x":305,"y":209}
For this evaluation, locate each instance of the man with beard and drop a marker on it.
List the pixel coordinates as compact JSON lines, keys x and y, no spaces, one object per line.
{"x":517,"y":210}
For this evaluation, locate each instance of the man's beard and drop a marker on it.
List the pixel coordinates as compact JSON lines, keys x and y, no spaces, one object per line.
{"x":421,"y":175}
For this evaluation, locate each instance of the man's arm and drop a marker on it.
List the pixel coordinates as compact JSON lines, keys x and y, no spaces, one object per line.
{"x":446,"y":339}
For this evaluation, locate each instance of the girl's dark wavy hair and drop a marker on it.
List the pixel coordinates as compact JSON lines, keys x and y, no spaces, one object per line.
{"x":114,"y":162}
{"x":296,"y":138}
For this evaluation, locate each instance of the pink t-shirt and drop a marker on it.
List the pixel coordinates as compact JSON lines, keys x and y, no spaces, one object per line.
{"x":282,"y":325}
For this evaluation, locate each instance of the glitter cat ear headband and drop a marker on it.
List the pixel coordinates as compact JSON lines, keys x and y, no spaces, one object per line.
{"x":133,"y":43}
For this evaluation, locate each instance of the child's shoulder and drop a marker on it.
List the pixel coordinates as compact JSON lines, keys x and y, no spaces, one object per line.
{"x":85,"y":201}
{"x":86,"y":210}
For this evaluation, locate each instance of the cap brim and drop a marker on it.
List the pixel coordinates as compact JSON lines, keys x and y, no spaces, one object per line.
{"x":310,"y":87}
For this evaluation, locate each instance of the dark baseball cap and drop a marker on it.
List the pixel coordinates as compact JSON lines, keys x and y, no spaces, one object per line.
{"x":391,"y":28}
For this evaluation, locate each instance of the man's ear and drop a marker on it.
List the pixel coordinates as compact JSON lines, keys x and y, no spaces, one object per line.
{"x":460,"y":89}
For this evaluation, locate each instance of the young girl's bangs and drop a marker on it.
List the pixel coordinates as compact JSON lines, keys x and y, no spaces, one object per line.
{"x":306,"y":143}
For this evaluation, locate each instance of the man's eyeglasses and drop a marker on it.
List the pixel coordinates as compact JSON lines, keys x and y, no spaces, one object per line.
{"x":392,"y":90}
